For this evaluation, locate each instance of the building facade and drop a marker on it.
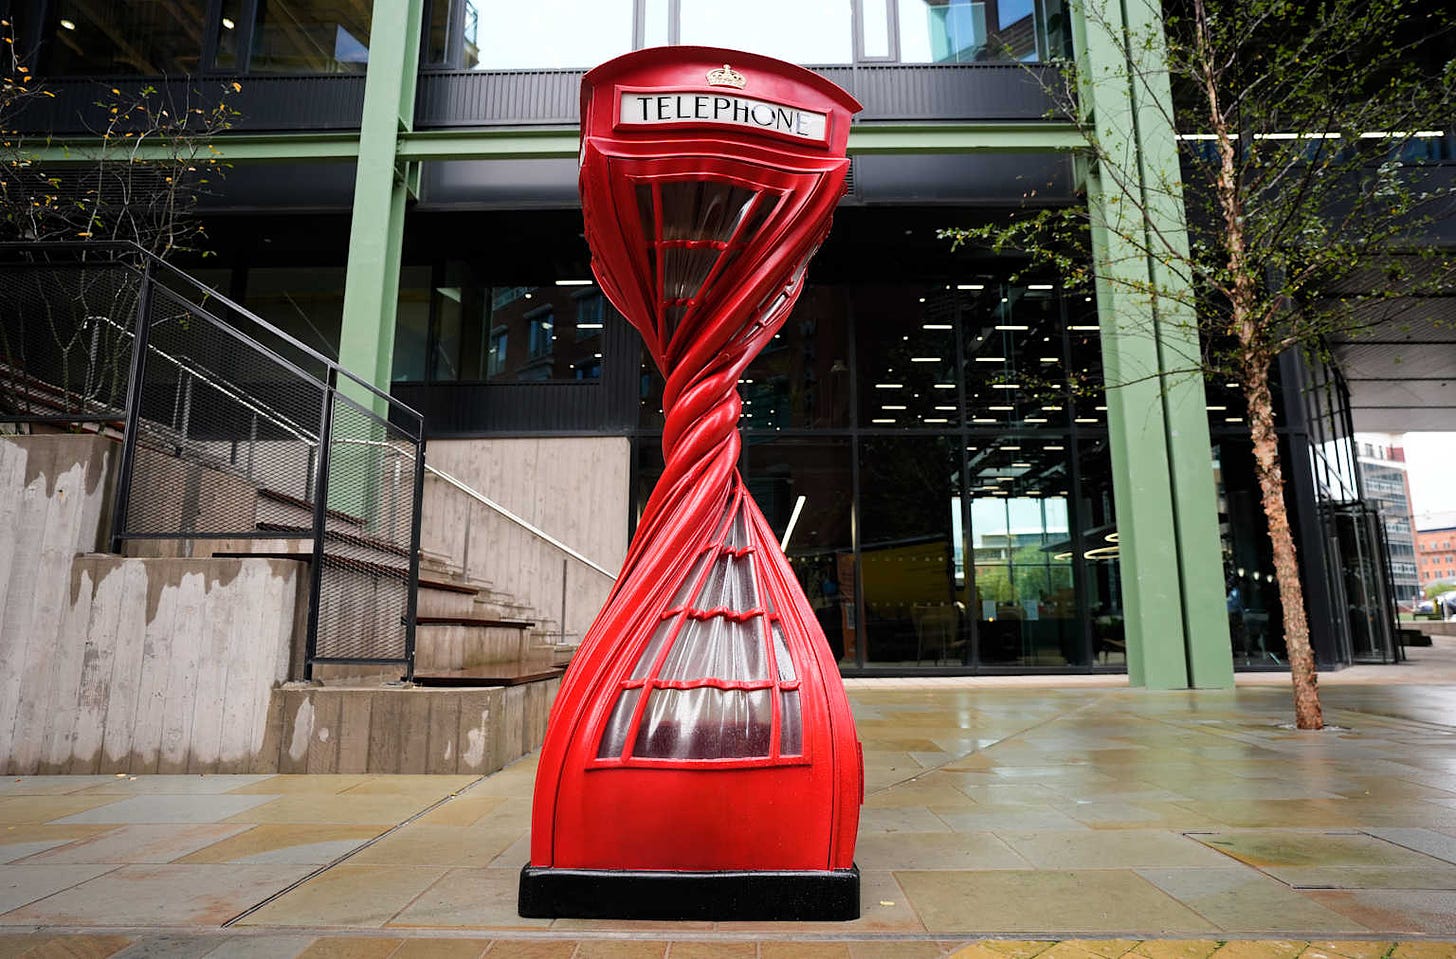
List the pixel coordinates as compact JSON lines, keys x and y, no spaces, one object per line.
{"x":970,"y":497}
{"x":1435,"y":543}
{"x":1386,"y":482}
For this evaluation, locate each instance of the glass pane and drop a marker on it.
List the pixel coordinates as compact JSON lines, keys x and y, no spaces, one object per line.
{"x":907,"y":358}
{"x":412,"y":324}
{"x":437,"y":39}
{"x":959,"y":31}
{"x":125,"y":37}
{"x":545,"y":333}
{"x":1016,"y":372}
{"x":1021,"y":536}
{"x":1256,"y":619}
{"x":801,"y":377}
{"x":717,"y":648}
{"x":791,"y":724}
{"x":875,"y":27}
{"x":310,"y":36}
{"x":445,"y":364}
{"x":615,"y":737}
{"x":305,"y":302}
{"x":226,"y":57}
{"x":551,"y":34}
{"x":799,"y":31}
{"x":780,"y":472}
{"x":1100,"y":550}
{"x":914,"y":586}
{"x":705,"y":723}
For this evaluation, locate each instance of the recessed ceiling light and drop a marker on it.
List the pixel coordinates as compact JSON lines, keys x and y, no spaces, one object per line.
{"x":226,"y":22}
{"x":68,"y":25}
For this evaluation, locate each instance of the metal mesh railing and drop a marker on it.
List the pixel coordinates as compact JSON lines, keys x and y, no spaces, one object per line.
{"x":65,"y":345}
{"x":238,"y":440}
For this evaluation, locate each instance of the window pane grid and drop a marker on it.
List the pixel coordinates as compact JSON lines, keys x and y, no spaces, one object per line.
{"x":716,"y":680}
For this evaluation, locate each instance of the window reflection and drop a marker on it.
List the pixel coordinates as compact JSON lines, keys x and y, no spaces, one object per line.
{"x":1016,"y":369}
{"x":125,"y":37}
{"x":807,"y":482}
{"x":801,"y":378}
{"x":412,"y":324}
{"x":914,"y":590}
{"x":907,"y":358}
{"x":305,"y":302}
{"x":545,"y":333}
{"x":1101,"y":548}
{"x":1256,"y":620}
{"x":311,"y":36}
{"x":967,"y":31}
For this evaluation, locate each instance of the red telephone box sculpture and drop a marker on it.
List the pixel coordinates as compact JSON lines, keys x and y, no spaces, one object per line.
{"x":701,"y":760}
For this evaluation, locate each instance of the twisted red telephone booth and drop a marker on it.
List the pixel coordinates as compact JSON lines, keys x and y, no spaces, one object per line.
{"x":701,"y":759}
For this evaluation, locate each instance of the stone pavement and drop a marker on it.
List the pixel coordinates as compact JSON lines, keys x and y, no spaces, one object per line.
{"x":1000,"y":821}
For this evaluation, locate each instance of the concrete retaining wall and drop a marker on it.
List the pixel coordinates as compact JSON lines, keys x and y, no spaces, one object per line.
{"x":403,"y":730}
{"x":574,"y":488}
{"x":110,"y":664}
{"x":153,"y":666}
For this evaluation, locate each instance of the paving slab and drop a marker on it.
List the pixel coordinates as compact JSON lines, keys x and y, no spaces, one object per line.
{"x":147,"y":895}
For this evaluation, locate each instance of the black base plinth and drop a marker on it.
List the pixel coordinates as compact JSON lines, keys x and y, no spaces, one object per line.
{"x":828,"y":896}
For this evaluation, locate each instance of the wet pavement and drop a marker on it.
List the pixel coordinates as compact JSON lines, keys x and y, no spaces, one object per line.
{"x":1001,"y":820}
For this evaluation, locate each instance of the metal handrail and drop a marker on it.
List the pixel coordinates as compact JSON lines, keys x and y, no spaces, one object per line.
{"x":491,"y":504}
{"x":330,"y":365}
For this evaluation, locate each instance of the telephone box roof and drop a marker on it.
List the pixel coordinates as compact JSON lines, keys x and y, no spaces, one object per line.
{"x":687,"y":69}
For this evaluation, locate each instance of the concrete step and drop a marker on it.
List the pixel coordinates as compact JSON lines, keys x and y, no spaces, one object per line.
{"x":455,"y":645}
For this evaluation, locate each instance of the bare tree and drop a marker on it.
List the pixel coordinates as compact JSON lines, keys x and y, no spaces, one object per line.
{"x":138,"y":173}
{"x":134,"y":177}
{"x":1303,"y":134}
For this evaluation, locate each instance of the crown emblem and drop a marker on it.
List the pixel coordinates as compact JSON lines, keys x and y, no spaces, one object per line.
{"x":726,"y":77}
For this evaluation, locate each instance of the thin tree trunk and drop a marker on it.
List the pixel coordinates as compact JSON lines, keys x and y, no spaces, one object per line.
{"x":1307,"y":712}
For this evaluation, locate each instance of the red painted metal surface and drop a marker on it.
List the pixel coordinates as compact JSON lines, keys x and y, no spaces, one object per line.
{"x":702,"y":724}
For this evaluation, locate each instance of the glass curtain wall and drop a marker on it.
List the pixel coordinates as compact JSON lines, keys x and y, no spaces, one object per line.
{"x":936,"y":457}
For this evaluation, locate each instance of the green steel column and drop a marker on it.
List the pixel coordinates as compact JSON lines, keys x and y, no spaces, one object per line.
{"x":376,"y":231}
{"x":1177,"y":632}
{"x":1185,"y":404}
